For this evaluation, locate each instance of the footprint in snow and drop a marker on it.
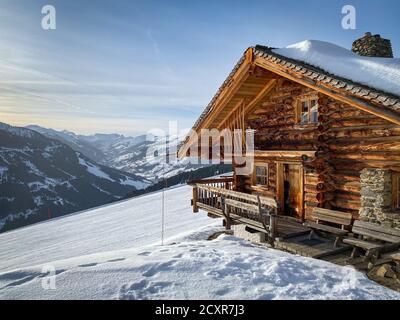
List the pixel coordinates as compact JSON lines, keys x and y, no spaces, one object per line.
{"x":24,"y":277}
{"x":116,"y":260}
{"x":143,"y":290}
{"x":222,"y":292}
{"x":145,"y":254}
{"x":158,"y":268}
{"x":88,"y":265}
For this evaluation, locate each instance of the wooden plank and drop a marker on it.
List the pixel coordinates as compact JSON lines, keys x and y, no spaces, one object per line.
{"x":284,"y":153}
{"x":261,"y":95}
{"x":254,"y":224}
{"x":241,"y":75}
{"x":362,"y":244}
{"x":194,"y":200}
{"x":338,"y":217}
{"x":242,"y":205}
{"x":210,"y":209}
{"x":239,"y":195}
{"x":377,"y":227}
{"x":375,"y":234}
{"x":225,"y":122}
{"x":322,"y":227}
{"x":280,"y":186}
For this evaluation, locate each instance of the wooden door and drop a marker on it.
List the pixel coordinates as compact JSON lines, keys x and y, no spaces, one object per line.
{"x":293,"y":194}
{"x":290,"y":189}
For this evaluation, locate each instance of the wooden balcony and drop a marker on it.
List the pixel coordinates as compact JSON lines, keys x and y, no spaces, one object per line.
{"x":259,"y":213}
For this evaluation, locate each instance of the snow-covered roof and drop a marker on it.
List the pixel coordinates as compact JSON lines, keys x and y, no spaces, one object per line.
{"x":372,"y":80}
{"x":376,"y":80}
{"x":379,"y":73}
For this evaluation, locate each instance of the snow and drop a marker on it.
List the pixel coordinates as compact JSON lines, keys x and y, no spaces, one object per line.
{"x":114,"y":252}
{"x":21,"y":132}
{"x":95,"y":170}
{"x":3,"y":174}
{"x":379,"y":73}
{"x":135,"y":183}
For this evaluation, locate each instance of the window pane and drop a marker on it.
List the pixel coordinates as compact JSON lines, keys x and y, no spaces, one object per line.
{"x":261,"y":181}
{"x":314,"y":116}
{"x":304,"y":106}
{"x":261,"y":171}
{"x":262,"y":175}
{"x":314,"y":111}
{"x":304,"y":118}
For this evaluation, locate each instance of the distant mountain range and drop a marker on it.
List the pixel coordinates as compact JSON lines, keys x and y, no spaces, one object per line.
{"x":46,"y":173}
{"x":41,"y":177}
{"x":130,"y":154}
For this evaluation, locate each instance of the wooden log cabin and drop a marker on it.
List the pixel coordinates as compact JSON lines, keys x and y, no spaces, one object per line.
{"x":321,"y":140}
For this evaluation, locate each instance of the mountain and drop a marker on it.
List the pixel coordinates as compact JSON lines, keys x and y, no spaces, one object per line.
{"x":72,"y":140}
{"x":42,"y":177}
{"x":138,"y":155}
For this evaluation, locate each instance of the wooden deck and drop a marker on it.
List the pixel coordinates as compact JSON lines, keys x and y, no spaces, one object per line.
{"x":255,"y":212}
{"x":289,"y":234}
{"x":317,"y":248}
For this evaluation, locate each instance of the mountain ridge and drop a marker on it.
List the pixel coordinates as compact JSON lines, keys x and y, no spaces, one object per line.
{"x":41,"y":177}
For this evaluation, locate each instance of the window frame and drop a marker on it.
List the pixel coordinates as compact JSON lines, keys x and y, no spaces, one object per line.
{"x":299,"y":111}
{"x":266,"y":176}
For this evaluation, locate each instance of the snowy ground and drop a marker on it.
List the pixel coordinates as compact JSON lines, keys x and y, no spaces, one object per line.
{"x":114,"y":253}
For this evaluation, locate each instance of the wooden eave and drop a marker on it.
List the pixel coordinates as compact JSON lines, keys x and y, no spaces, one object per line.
{"x":244,"y":87}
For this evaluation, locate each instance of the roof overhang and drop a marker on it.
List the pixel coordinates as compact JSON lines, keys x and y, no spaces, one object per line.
{"x":217,"y":112}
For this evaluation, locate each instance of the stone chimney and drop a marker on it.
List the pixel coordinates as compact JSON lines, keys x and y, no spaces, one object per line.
{"x":373,"y":46}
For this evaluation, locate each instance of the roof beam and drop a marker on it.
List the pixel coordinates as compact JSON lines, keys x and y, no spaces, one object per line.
{"x":391,"y":116}
{"x":237,"y":80}
{"x":261,"y":95}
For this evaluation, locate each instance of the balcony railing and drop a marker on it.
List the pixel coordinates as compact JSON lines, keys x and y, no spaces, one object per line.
{"x":217,"y":197}
{"x":259,"y":213}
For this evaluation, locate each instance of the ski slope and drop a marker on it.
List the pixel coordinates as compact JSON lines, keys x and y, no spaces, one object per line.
{"x":124,"y":225}
{"x":114,"y":252}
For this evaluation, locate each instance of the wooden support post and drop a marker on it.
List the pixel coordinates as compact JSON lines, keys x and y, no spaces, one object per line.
{"x":195,"y":198}
{"x":225,"y":212}
{"x":273,"y":221}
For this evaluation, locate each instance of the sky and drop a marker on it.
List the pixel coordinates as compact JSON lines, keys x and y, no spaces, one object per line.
{"x":124,"y":66}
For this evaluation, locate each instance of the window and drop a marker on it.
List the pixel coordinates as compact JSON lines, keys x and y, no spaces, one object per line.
{"x":261,"y":175}
{"x":308,"y":111}
{"x":396,"y":191}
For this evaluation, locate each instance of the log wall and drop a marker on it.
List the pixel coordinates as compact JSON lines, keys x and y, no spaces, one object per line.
{"x":346,"y":141}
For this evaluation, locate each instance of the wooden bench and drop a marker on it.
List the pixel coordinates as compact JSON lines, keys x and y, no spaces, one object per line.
{"x":374,"y":239}
{"x":261,"y":209}
{"x":340,"y":220}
